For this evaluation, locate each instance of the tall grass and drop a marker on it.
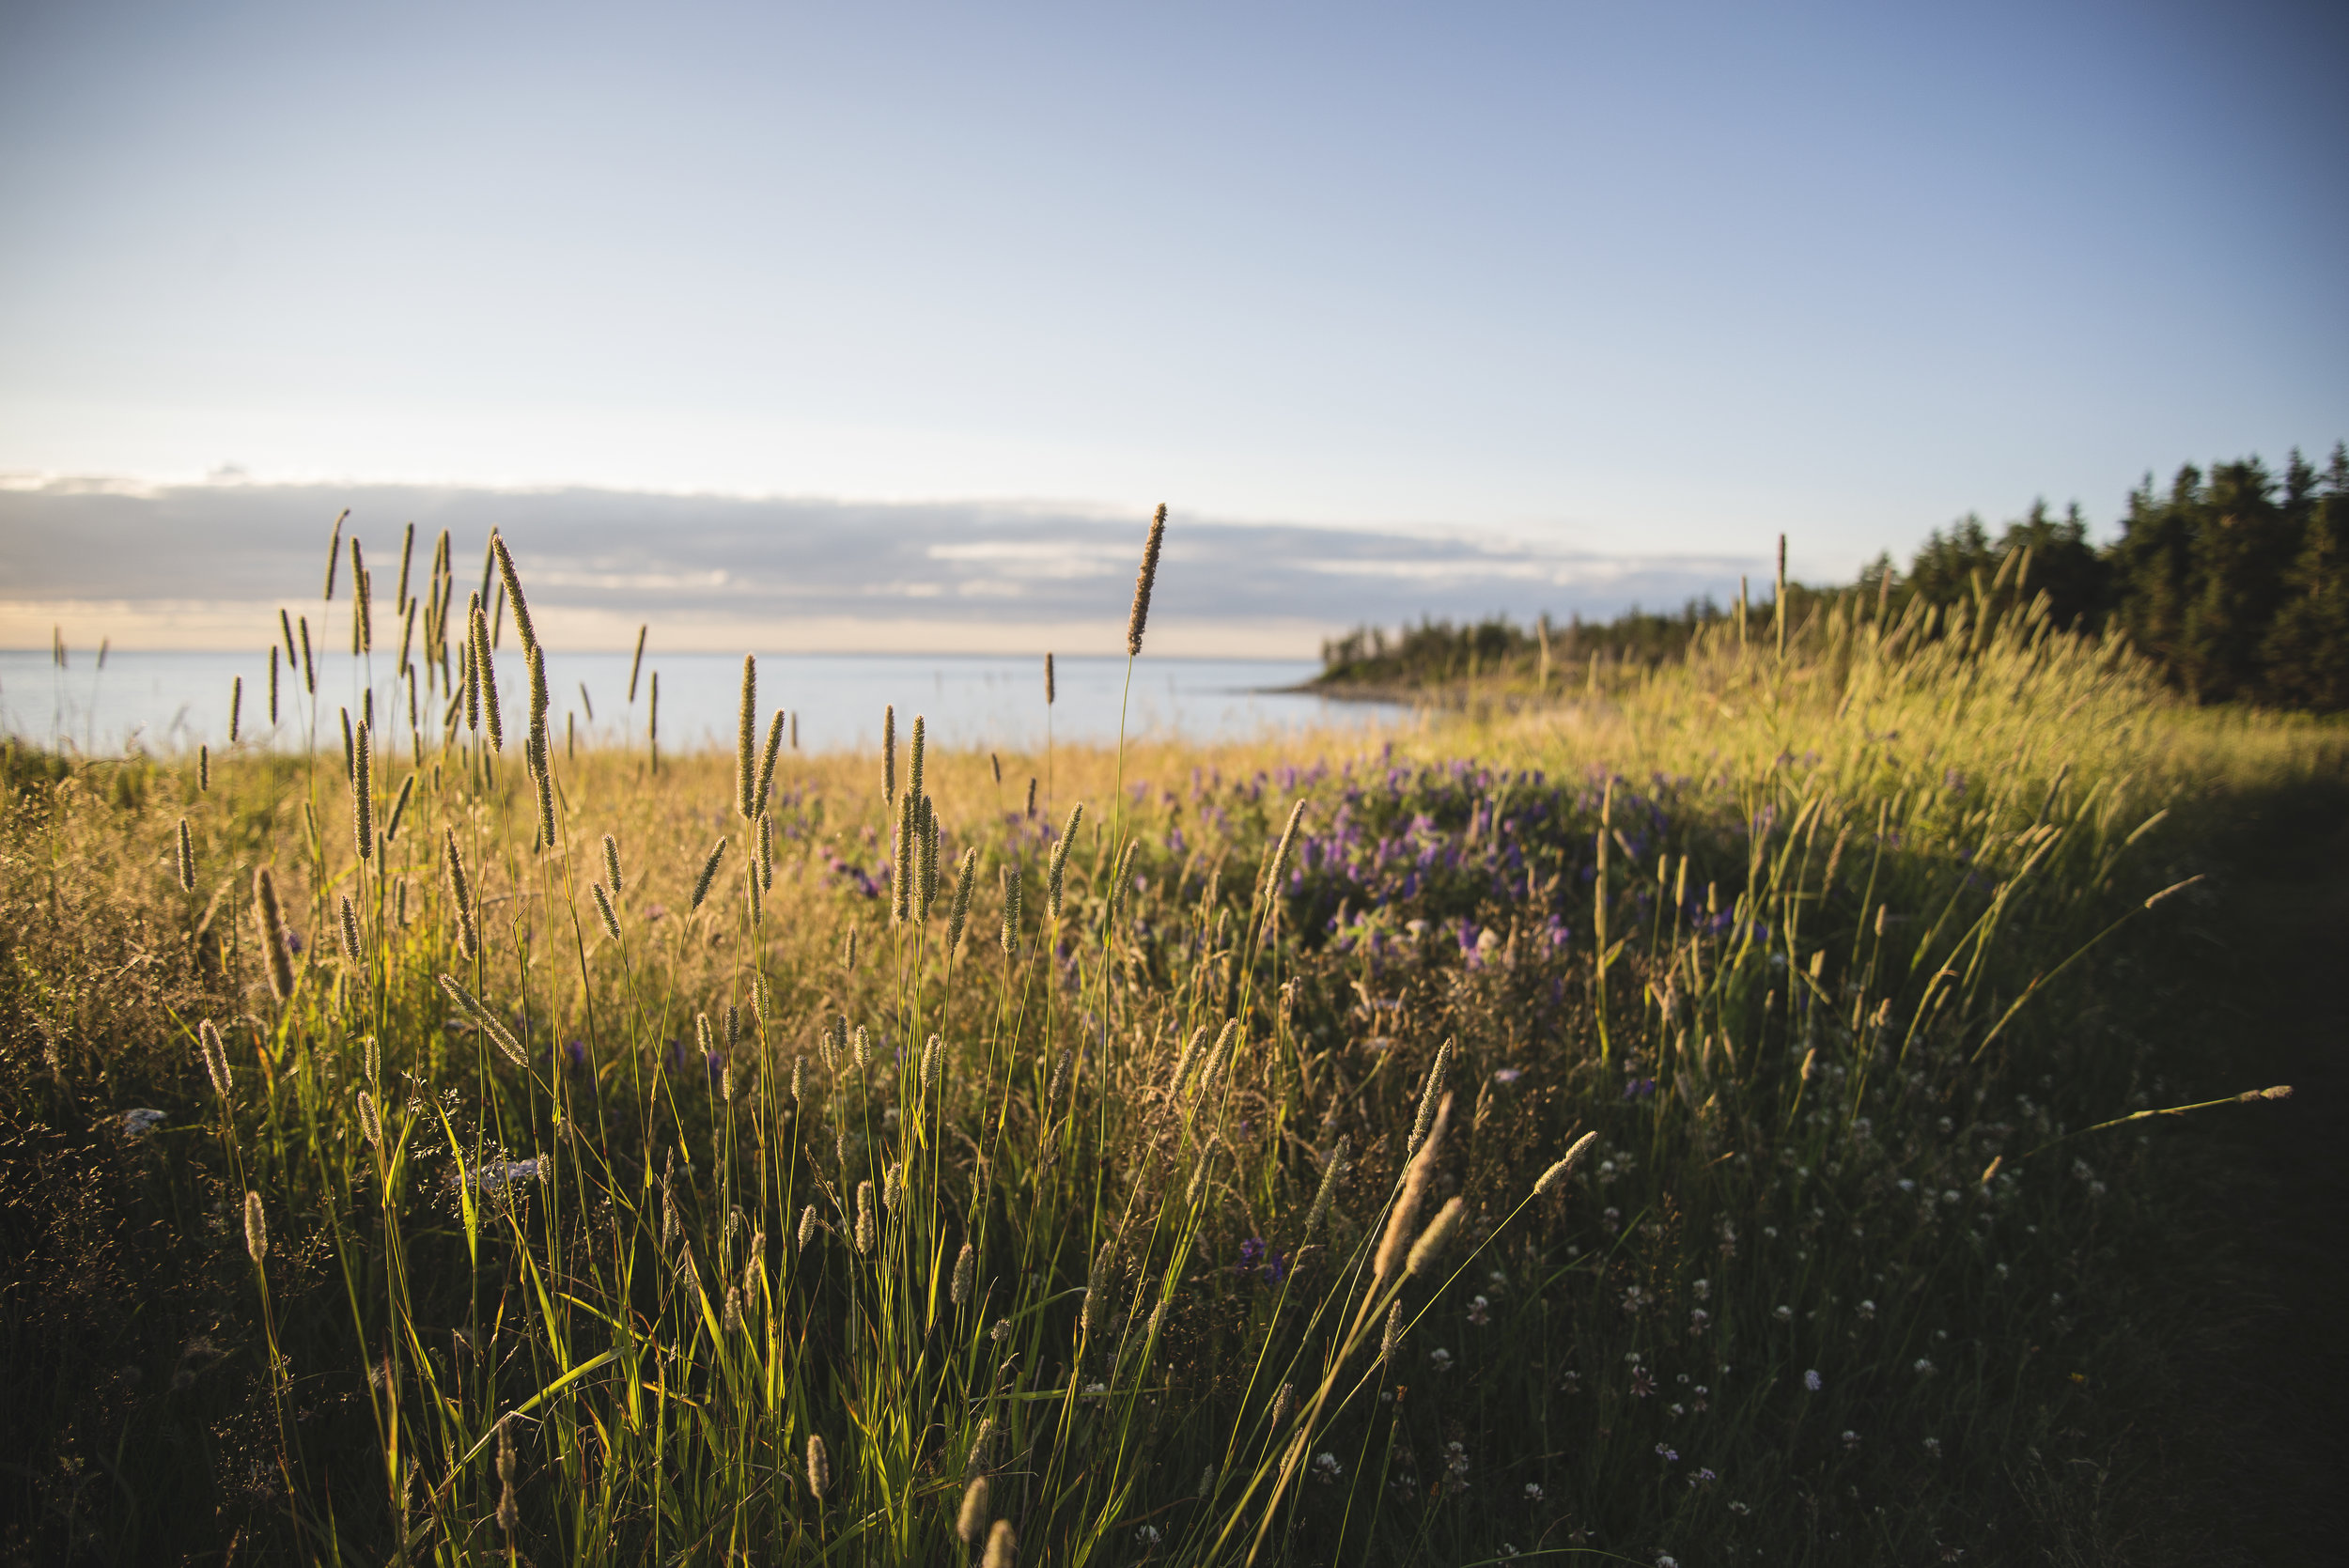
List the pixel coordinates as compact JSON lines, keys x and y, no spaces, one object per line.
{"x":625,"y":1199}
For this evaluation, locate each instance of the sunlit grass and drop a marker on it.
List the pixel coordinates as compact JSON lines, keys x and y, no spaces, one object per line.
{"x":688,"y":1244}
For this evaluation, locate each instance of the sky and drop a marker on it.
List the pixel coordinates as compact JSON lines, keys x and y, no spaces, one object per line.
{"x":1543,"y":306}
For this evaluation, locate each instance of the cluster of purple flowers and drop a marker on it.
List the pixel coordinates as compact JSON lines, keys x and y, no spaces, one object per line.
{"x":1258,"y":1259}
{"x":1440,"y":842}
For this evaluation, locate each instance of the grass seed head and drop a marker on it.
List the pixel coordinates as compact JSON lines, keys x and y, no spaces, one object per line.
{"x":490,"y":1024}
{"x":272,"y":925}
{"x":1051,"y":696}
{"x":767,"y":761}
{"x":1220,"y":1058}
{"x":1394,"y":1246}
{"x":1144,"y":580}
{"x":1429,"y":1247}
{"x":603,"y":910}
{"x":958,"y":911}
{"x":352,"y":948}
{"x":867,"y":1224}
{"x":215,"y":1056}
{"x":746,"y":742}
{"x":928,"y":837}
{"x":399,"y":808}
{"x":1097,"y":1303}
{"x":362,"y":792}
{"x":1427,"y":1097}
{"x":612,"y":864}
{"x":966,"y":1269}
{"x":256,"y":1228}
{"x":514,"y":591}
{"x":807,"y":1226}
{"x":370,"y":1122}
{"x":1002,"y":1547}
{"x":488,"y":668}
{"x":187,"y":858}
{"x":467,"y":932}
{"x":904,"y":869}
{"x":1056,"y":867}
{"x":971,"y":1518}
{"x":709,"y":871}
{"x":1329,"y":1174}
{"x":1564,"y":1167}
{"x":1011,"y":911}
{"x":889,"y":753}
{"x":1279,"y":865}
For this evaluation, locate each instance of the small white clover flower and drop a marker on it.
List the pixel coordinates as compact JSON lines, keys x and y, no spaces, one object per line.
{"x":1148,"y":1535}
{"x":1326,"y":1468}
{"x":1933,"y":1446}
{"x":1440,"y":1359}
{"x":1533,"y":1491}
{"x":1702,"y":1290}
{"x":1925,"y":1367}
{"x":1784,"y":1315}
{"x":1811,"y":1380}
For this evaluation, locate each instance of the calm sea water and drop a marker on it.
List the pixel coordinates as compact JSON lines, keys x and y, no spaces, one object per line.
{"x":176,"y":701}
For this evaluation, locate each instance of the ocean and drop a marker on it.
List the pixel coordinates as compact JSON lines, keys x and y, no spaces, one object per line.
{"x":173,"y":702}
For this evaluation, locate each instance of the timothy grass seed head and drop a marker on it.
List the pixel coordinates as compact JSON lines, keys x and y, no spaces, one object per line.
{"x":272,"y":923}
{"x":1144,"y":581}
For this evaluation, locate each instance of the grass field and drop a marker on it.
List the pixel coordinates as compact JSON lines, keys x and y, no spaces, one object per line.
{"x":1712,"y":1116}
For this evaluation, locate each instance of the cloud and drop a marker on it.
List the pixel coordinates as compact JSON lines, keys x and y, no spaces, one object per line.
{"x":188,"y":566}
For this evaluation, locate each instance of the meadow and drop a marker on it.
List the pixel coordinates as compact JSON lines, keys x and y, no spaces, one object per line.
{"x":1736,"y":1111}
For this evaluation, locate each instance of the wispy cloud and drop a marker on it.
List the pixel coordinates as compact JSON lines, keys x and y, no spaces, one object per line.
{"x":177,"y":565}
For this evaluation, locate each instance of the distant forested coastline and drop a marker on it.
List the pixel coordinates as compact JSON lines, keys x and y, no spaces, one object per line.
{"x":2234,"y":581}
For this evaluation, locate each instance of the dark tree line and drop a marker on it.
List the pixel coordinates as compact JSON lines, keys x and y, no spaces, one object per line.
{"x":2236,"y":582}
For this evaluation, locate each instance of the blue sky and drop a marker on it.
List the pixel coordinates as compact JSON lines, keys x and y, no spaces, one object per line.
{"x":1657,"y":280}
